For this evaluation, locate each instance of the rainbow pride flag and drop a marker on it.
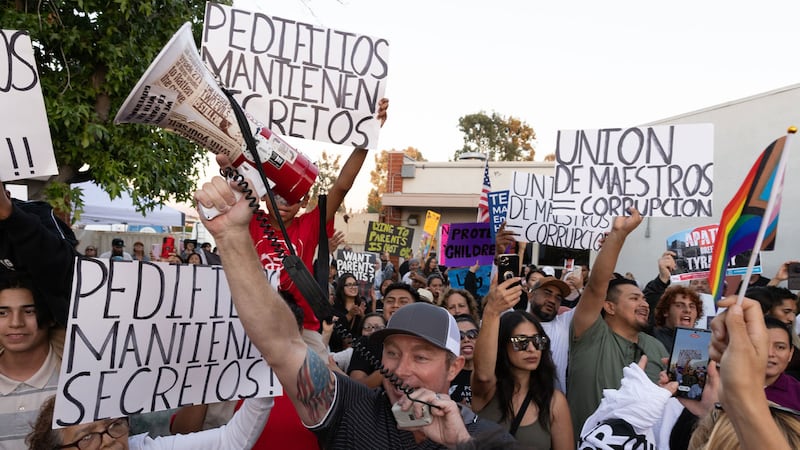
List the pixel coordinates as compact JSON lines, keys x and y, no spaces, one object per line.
{"x":750,"y":220}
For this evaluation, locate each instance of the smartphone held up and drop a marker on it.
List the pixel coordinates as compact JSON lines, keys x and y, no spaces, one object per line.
{"x":507,"y":267}
{"x":688,"y":363}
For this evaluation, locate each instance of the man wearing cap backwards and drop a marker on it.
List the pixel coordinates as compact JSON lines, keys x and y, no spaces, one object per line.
{"x":117,"y":249}
{"x":421,"y":348}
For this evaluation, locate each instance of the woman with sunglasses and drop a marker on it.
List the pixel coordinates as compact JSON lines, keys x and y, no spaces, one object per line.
{"x":513,"y":382}
{"x":240,"y":433}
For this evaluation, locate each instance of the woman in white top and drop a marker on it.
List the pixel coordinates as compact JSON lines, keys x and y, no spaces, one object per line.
{"x":240,"y":433}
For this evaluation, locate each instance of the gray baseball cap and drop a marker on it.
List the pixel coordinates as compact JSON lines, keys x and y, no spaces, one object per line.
{"x":425,"y":321}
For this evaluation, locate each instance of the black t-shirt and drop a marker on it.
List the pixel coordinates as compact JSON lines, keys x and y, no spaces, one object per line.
{"x":361,"y":418}
{"x":359,"y":361}
{"x":460,"y":388}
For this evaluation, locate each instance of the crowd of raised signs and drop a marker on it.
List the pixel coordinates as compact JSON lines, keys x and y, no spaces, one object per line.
{"x":547,"y":360}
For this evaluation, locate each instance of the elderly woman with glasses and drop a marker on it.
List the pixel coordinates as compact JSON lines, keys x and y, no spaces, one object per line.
{"x":513,"y":382}
{"x":240,"y":433}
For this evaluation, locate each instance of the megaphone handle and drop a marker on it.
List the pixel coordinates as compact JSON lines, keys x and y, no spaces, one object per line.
{"x":210,"y":213}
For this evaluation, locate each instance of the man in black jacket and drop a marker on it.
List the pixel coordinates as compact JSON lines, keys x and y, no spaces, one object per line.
{"x":34,"y":240}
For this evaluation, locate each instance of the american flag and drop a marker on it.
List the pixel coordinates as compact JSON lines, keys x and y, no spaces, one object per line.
{"x":483,"y":203}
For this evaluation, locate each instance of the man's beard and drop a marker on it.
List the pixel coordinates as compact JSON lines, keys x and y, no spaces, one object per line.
{"x":541,"y":315}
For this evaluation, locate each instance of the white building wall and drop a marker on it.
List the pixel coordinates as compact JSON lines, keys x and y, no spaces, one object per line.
{"x":742,"y":129}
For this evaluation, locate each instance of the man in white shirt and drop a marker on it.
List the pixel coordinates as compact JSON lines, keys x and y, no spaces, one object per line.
{"x":29,"y":363}
{"x":117,"y":251}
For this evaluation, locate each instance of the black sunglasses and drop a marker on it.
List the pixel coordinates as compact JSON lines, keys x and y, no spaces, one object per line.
{"x":520,"y":343}
{"x":471,"y":334}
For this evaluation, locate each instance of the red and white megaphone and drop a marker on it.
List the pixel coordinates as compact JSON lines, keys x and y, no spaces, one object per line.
{"x":178,"y":93}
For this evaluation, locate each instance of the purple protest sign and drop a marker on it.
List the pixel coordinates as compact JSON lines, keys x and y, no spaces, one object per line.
{"x":465,"y":243}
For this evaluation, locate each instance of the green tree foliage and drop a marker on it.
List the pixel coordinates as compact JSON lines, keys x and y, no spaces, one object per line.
{"x":328,"y":166}
{"x":503,"y":139}
{"x":378,"y":177}
{"x":90,"y":54}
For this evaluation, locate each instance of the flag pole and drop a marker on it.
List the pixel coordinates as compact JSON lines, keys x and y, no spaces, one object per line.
{"x":774,"y":193}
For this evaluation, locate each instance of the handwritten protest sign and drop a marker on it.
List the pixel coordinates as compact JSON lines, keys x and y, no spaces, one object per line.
{"x":663,"y":171}
{"x":532,"y":215}
{"x":360,"y":264}
{"x":498,"y":208}
{"x":149,"y":336}
{"x":26,"y":150}
{"x":693,"y":248}
{"x":457,"y":277}
{"x":299,"y":79}
{"x":464,"y":243}
{"x":385,"y":237}
{"x":428,"y":232}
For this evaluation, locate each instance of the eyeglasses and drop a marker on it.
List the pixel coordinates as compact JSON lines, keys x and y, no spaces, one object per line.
{"x":115,"y":429}
{"x":373,"y":327}
{"x":520,"y":343}
{"x":351,"y":285}
{"x":471,"y":334}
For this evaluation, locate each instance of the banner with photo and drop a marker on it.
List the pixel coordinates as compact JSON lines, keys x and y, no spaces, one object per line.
{"x":693,"y":248}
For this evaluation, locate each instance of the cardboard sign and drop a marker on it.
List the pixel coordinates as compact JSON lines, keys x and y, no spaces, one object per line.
{"x":532,"y":214}
{"x":150,"y":336}
{"x":428,"y":232}
{"x":26,"y":149}
{"x":385,"y":237}
{"x":663,"y":171}
{"x":464,"y":243}
{"x":693,"y":248}
{"x":457,"y":277}
{"x":360,"y":264}
{"x":299,"y":79}
{"x":498,"y":208}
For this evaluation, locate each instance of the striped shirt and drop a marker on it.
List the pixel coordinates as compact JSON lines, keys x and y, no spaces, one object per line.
{"x":20,"y":401}
{"x":361,"y":419}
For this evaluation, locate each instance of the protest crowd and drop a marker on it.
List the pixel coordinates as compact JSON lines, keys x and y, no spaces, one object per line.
{"x":377,"y":351}
{"x":544,"y":360}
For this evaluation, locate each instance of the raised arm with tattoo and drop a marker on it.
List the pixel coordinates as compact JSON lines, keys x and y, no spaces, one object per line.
{"x":265,"y":316}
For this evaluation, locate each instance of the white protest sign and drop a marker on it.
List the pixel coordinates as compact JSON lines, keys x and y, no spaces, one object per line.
{"x":26,"y":150}
{"x":144,"y":336}
{"x":663,"y":171}
{"x":535,"y":216}
{"x":299,"y":79}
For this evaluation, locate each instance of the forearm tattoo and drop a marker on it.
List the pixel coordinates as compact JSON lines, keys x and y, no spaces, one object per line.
{"x":315,"y":386}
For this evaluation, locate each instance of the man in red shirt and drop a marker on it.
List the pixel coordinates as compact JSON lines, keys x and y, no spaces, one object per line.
{"x":303,"y":231}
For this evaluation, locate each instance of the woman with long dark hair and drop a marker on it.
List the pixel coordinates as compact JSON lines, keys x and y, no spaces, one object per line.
{"x":431,"y":266}
{"x":513,"y":382}
{"x":349,"y":307}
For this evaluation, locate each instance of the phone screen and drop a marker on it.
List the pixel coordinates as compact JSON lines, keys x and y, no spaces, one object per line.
{"x":688,"y":364}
